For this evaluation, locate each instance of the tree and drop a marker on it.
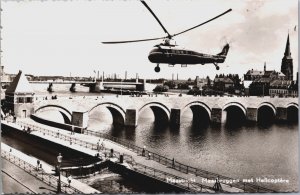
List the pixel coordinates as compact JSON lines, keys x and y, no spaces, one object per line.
{"x":161,"y":88}
{"x":183,"y":86}
{"x":170,"y":84}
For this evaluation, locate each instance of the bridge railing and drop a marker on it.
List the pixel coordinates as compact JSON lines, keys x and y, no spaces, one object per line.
{"x":171,"y":163}
{"x":108,"y":152}
{"x":47,"y":178}
{"x":247,"y":187}
{"x":183,"y":183}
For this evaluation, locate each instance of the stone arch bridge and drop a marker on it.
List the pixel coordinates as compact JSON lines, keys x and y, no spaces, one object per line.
{"x":125,"y":110}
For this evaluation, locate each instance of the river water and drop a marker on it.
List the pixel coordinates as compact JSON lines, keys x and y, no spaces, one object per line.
{"x":239,"y":151}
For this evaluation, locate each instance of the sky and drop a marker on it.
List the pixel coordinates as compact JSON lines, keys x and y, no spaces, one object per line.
{"x":63,"y":37}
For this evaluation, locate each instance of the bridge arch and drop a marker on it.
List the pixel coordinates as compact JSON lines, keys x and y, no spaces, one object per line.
{"x":292,"y":104}
{"x":236,"y":104}
{"x":266,"y":112}
{"x":66,"y":114}
{"x":117,"y":112}
{"x":292,"y":112}
{"x":235,"y":113}
{"x":161,"y":112}
{"x":201,"y":112}
{"x":268,"y":105}
{"x":198,"y":103}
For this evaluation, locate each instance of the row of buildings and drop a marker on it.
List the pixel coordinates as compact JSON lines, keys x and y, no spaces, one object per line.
{"x":256,"y":82}
{"x":271,"y":82}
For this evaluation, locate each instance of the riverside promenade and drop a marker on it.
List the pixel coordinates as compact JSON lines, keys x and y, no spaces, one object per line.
{"x":41,"y":175}
{"x":17,"y":180}
{"x":138,"y":159}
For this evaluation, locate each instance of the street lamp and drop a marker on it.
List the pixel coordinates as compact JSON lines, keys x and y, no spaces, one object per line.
{"x":59,"y":160}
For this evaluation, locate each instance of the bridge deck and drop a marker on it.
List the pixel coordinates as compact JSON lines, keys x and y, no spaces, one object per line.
{"x":84,"y":82}
{"x":141,"y":160}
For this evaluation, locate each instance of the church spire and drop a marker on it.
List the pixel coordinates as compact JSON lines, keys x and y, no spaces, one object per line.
{"x":287,"y":52}
{"x":287,"y":61}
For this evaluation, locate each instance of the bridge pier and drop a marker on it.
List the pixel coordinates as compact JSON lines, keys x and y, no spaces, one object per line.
{"x":251,"y":114}
{"x":50,"y":87}
{"x":131,"y":118}
{"x":141,"y":87}
{"x":80,"y":119}
{"x":97,"y":87}
{"x":281,"y":113}
{"x":175,"y":116}
{"x":218,"y":115}
{"x":73,"y":87}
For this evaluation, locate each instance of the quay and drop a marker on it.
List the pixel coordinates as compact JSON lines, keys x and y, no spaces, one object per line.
{"x":44,"y":174}
{"x":155,"y":166}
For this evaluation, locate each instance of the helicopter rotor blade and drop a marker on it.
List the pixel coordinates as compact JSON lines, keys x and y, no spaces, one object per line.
{"x":145,"y":4}
{"x":132,"y":41}
{"x":202,"y":23}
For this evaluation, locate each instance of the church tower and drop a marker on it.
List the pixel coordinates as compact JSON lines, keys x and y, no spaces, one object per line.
{"x":287,"y":61}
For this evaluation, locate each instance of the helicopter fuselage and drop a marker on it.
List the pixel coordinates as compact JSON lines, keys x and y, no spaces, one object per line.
{"x":174,"y":56}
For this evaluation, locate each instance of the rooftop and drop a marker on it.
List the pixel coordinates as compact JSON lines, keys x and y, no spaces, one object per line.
{"x":20,"y":85}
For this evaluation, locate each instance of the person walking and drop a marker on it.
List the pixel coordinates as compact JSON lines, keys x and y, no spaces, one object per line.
{"x":173,"y":163}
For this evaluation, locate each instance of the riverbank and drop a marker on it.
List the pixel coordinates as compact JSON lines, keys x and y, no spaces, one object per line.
{"x":29,"y":163}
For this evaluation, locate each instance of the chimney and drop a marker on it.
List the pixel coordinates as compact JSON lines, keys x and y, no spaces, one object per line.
{"x":126,"y":75}
{"x":172,"y":76}
{"x":177,"y":76}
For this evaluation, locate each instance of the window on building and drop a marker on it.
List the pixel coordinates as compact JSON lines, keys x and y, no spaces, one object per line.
{"x":20,"y":100}
{"x":28,"y":99}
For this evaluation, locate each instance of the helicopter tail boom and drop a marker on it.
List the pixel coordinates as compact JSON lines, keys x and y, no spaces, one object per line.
{"x":224,"y":51}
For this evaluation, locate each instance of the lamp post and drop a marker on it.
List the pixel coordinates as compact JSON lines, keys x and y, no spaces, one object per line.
{"x":59,"y":160}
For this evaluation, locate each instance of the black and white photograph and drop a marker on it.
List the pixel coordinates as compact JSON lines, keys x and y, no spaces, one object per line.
{"x":145,"y":96}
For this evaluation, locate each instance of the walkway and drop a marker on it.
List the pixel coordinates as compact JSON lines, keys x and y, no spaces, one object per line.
{"x":90,"y":144}
{"x":16,"y":180}
{"x":29,"y":164}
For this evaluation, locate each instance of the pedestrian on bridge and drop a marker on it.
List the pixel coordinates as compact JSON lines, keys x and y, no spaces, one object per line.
{"x":144,"y":151}
{"x":98,"y":146}
{"x":102,"y":145}
{"x":173,"y":163}
{"x":69,"y":180}
{"x":38,"y":164}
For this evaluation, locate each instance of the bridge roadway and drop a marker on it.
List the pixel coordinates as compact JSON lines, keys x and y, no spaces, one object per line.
{"x":126,"y":110}
{"x":139,"y":163}
{"x":84,"y":82}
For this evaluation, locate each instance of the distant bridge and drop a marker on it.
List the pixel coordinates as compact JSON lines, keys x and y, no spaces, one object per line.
{"x":62,"y":82}
{"x":126,"y":110}
{"x":95,"y":86}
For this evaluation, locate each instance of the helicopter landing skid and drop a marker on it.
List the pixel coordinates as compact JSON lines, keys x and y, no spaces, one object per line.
{"x":217,"y":67}
{"x":171,"y":65}
{"x":157,"y":68}
{"x":184,"y":65}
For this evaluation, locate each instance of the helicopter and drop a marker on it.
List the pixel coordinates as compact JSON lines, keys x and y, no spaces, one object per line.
{"x":167,"y":52}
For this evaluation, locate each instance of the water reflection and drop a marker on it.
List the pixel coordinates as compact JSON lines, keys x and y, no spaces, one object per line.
{"x":233,"y":149}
